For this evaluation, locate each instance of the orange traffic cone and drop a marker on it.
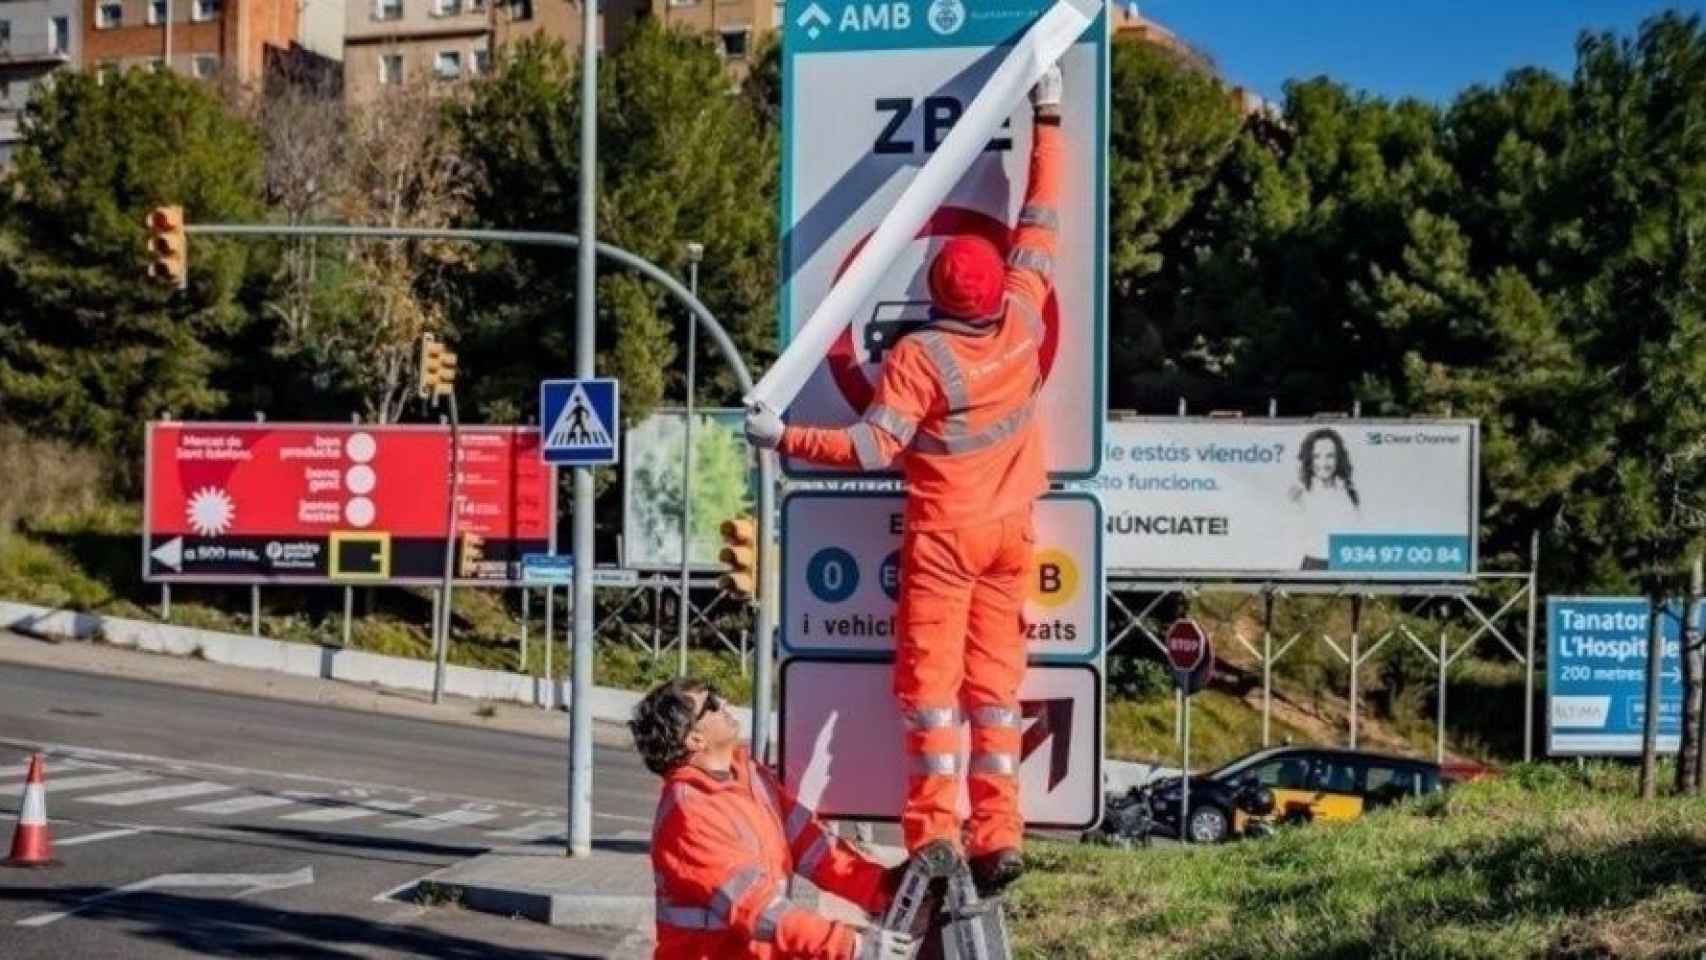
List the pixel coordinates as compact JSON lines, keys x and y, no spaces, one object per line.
{"x":31,"y":845}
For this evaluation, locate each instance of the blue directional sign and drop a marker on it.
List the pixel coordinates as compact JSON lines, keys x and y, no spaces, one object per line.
{"x":1596,"y":687}
{"x":578,"y":422}
{"x":538,"y":569}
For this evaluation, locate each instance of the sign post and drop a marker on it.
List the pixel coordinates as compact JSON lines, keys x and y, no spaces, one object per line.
{"x":1188,"y":650}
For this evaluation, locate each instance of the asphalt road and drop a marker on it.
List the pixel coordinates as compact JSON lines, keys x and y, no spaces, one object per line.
{"x":194,"y":823}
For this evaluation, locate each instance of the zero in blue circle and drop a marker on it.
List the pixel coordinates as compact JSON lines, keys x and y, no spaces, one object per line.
{"x":832,"y":575}
{"x":889,"y":576}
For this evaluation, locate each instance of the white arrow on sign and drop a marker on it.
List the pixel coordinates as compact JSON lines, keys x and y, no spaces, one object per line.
{"x":814,"y":15}
{"x":170,"y":553}
{"x":251,"y":883}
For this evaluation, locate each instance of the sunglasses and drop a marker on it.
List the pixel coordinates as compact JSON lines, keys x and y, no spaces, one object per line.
{"x":713,"y":704}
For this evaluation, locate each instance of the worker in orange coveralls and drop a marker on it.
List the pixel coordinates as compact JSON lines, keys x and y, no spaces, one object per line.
{"x":728,"y":836}
{"x":955,"y":405}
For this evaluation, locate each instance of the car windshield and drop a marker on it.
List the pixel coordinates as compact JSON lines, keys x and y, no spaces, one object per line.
{"x":1239,"y":765}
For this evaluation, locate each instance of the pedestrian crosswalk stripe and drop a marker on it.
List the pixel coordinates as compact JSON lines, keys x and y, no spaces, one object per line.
{"x":578,"y":426}
{"x":439,"y":821}
{"x":537,"y":830}
{"x":243,"y":804}
{"x":171,"y":791}
{"x":98,"y":837}
{"x":86,"y":782}
{"x":347,"y":811}
{"x":53,"y":766}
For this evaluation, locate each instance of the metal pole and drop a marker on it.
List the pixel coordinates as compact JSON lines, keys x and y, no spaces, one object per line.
{"x":1178,"y":717}
{"x":254,"y":609}
{"x":1528,"y":678}
{"x":447,"y":608}
{"x":1650,"y":722}
{"x":765,"y":641}
{"x":349,"y":612}
{"x":1185,"y":774}
{"x":166,"y":54}
{"x":1688,"y":750}
{"x":1439,"y":734}
{"x":580,"y":715}
{"x":1267,"y":664}
{"x":550,"y":644}
{"x":1356,"y":661}
{"x":525,"y":595}
{"x":165,"y":601}
{"x":437,"y":602}
{"x":694,"y":252}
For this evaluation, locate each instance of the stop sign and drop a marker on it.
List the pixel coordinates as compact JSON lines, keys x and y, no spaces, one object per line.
{"x":1187,"y":645}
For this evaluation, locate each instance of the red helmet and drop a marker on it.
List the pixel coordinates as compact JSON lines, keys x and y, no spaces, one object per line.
{"x":966,"y":278}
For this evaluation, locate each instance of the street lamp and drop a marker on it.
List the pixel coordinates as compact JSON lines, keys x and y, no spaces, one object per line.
{"x":695,"y":254}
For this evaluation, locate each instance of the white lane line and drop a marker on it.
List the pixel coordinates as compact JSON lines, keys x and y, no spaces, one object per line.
{"x":537,"y":830}
{"x":440,"y":821}
{"x":81,"y":783}
{"x":171,"y":791}
{"x":96,"y":837}
{"x":625,"y":819}
{"x":349,"y":811}
{"x":54,"y":765}
{"x":240,"y":805}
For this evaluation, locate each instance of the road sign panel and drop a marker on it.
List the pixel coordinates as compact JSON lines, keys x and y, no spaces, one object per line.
{"x":1596,"y":688}
{"x":841,"y":742}
{"x":841,"y":575}
{"x":1187,"y":644}
{"x":856,"y":131}
{"x":579,"y":422}
{"x":542,"y":569}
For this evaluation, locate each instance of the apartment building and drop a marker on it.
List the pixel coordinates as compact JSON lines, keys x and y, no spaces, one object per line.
{"x":200,"y":38}
{"x":388,"y":42}
{"x":737,"y":25}
{"x":37,"y":37}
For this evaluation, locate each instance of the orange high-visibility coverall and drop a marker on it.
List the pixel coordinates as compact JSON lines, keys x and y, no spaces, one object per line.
{"x":722,"y":852}
{"x":955,"y":406}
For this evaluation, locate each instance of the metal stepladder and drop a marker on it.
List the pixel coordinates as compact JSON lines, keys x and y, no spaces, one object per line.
{"x":938,"y":903}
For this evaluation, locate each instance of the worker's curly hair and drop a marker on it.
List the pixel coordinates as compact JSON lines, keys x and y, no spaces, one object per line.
{"x":661,"y":723}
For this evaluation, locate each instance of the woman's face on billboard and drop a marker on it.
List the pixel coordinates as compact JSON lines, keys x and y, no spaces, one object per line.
{"x":1324,"y":459}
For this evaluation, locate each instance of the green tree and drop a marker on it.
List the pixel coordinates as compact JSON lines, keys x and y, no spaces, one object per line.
{"x":88,"y":348}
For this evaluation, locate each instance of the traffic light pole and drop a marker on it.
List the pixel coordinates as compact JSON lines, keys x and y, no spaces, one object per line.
{"x":452,"y":510}
{"x":767,"y":466}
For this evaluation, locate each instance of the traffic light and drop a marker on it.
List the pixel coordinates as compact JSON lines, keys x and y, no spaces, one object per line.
{"x":168,"y":247}
{"x":437,"y":369}
{"x":473,"y":551}
{"x":740,"y":555}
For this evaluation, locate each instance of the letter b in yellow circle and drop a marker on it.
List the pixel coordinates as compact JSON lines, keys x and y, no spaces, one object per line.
{"x":1054,"y":578}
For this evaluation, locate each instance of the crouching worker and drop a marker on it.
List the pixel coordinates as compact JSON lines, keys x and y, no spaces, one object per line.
{"x":728,"y":837}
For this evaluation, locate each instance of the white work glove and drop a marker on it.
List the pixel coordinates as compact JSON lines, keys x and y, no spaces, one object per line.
{"x":763,"y":427}
{"x":879,"y":944}
{"x":1049,"y":90}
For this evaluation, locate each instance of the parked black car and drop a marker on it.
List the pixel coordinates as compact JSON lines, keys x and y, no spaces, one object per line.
{"x":1301,"y":784}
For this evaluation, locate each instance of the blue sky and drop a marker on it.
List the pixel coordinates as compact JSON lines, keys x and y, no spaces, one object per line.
{"x":1426,"y":48}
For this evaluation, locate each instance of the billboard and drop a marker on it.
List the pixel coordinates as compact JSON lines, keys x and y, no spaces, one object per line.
{"x":317,"y":503}
{"x":1596,"y":675}
{"x":725,"y":483}
{"x":869,"y":93}
{"x":1347,"y":500}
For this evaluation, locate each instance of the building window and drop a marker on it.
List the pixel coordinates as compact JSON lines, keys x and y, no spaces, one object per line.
{"x":206,"y":66}
{"x":446,"y":8}
{"x":388,"y":9}
{"x":448,"y":65}
{"x":391,"y":69}
{"x":206,"y":10}
{"x":5,"y":34}
{"x":156,"y":12}
{"x":109,"y":15}
{"x":521,"y":9}
{"x":482,"y":62}
{"x":61,"y":34}
{"x":734,"y":41}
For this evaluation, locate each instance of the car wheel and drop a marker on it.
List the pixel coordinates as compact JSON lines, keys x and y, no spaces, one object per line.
{"x":1208,"y":825}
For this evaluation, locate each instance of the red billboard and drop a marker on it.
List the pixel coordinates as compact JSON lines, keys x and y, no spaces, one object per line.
{"x":311,"y":502}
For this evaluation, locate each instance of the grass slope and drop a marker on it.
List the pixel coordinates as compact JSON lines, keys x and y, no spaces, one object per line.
{"x":1547,"y":862}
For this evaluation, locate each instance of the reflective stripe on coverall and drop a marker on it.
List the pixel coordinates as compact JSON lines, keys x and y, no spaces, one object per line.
{"x":722,"y":853}
{"x":955,"y":406}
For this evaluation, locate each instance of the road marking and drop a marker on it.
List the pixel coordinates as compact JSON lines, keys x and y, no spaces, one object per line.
{"x":96,"y":837}
{"x":537,"y":830}
{"x":53,"y":765}
{"x":241,"y":804}
{"x":626,"y":819}
{"x":439,"y":821}
{"x":81,"y":783}
{"x":252,"y":883}
{"x":171,"y":791}
{"x":342,"y":811}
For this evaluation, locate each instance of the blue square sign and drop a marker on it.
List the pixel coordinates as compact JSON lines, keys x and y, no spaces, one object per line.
{"x":579,"y":422}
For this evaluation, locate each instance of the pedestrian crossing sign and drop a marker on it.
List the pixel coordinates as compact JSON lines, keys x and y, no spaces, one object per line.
{"x":578,"y":422}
